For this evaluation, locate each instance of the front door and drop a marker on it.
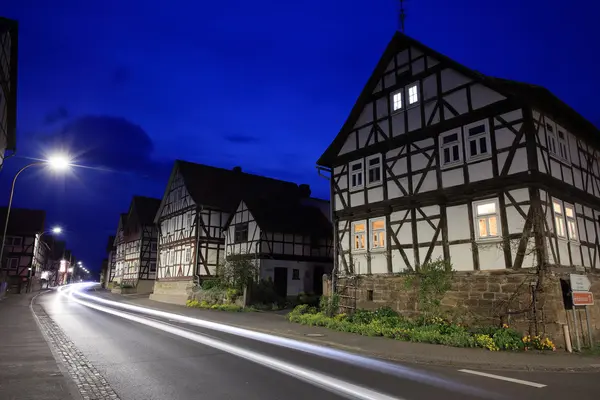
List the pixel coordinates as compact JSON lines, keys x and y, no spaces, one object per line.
{"x":318,"y":272}
{"x":280,"y":281}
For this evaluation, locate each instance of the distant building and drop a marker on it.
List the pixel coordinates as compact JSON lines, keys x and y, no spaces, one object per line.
{"x":137,"y":246}
{"x":193,"y":216}
{"x":8,"y":86}
{"x":119,"y":246}
{"x":56,"y":253}
{"x":109,"y":272}
{"x":290,"y":242}
{"x":24,"y":253}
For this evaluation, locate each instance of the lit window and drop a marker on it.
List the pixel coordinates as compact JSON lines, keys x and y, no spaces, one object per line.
{"x":374,"y":169}
{"x":486,"y":215}
{"x":571,"y":222}
{"x":413,"y":94}
{"x":397,"y":101}
{"x":359,"y":231}
{"x":450,"y":145}
{"x":477,"y":140}
{"x":559,"y":219}
{"x":378,"y":233}
{"x":356,"y":174}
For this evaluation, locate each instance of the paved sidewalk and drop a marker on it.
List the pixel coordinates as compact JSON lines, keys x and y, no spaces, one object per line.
{"x":275,"y":323}
{"x":28,"y":370}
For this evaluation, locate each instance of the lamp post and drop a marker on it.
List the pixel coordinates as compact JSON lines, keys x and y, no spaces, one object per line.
{"x":57,"y":230}
{"x":57,"y":163}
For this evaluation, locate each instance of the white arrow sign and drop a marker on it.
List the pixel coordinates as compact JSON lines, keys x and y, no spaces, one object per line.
{"x":579,"y":283}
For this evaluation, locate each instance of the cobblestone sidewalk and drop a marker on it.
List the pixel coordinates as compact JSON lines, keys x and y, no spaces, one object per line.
{"x":91,"y":384}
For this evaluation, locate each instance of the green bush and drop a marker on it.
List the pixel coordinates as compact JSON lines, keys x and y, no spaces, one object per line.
{"x":388,"y":323}
{"x":221,"y":307}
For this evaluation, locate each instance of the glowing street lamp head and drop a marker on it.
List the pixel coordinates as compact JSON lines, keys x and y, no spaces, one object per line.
{"x":57,"y":230}
{"x":58,"y":162}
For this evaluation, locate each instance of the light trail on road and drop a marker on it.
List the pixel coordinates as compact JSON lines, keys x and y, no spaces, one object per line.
{"x":76,"y":290}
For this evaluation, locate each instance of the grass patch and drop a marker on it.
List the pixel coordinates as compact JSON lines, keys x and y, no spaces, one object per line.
{"x":387,"y":323}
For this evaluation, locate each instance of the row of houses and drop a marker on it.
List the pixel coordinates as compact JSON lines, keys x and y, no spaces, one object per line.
{"x":435,"y":161}
{"x":33,"y":256}
{"x":209,"y":215}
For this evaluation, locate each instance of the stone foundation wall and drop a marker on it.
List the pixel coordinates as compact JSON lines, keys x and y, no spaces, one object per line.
{"x":174,"y":292}
{"x":482,"y":297}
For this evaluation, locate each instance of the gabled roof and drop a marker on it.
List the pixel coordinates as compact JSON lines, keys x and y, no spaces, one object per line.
{"x":145,"y":209}
{"x":23,"y":221}
{"x":223,"y":189}
{"x":530,"y":94}
{"x":272,"y":215}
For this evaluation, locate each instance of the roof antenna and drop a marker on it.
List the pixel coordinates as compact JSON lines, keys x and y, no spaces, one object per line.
{"x":402,"y":16}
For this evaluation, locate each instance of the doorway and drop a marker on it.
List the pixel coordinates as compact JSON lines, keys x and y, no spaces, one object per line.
{"x":318,"y":272}
{"x":280,"y":281}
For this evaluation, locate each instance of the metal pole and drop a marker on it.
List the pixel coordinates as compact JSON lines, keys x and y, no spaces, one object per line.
{"x":576,"y":328}
{"x":10,"y":200}
{"x":587,"y":318}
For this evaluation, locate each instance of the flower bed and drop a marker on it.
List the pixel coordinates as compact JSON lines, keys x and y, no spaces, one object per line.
{"x":387,"y":323}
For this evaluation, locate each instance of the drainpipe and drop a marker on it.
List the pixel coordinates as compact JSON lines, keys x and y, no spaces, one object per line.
{"x":333,"y":223}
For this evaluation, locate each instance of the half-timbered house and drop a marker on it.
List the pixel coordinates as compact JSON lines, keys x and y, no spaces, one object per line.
{"x":291,"y":243}
{"x":119,"y":245}
{"x":24,"y":251}
{"x":438,"y":160}
{"x":192,"y":217}
{"x":138,"y":245}
{"x":110,"y":270}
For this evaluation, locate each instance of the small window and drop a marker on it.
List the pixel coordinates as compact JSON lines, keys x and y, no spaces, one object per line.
{"x":241,"y":233}
{"x":413,"y":94}
{"x":450,"y":148}
{"x":377,"y":233}
{"x":295,"y":274}
{"x":356,"y":174}
{"x":551,"y":138}
{"x":374,"y":170}
{"x":571,"y":222}
{"x":486,"y":219}
{"x":397,"y":101}
{"x":359,"y":232}
{"x":12,"y":263}
{"x":153,"y":246}
{"x":559,"y":218}
{"x":152,"y":266}
{"x":477,"y":139}
{"x":369,"y":294}
{"x":188,"y":255}
{"x":563,"y":148}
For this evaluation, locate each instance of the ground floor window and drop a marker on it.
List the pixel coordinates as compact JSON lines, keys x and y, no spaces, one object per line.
{"x":486,"y":219}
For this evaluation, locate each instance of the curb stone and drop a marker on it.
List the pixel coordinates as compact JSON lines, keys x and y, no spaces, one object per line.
{"x":88,"y":383}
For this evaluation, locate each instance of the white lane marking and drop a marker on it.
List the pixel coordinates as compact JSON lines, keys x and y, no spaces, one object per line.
{"x":330,"y":383}
{"x":502,"y":378}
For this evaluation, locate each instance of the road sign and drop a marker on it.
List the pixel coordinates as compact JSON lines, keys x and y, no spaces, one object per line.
{"x":583,"y":299}
{"x":579,"y":283}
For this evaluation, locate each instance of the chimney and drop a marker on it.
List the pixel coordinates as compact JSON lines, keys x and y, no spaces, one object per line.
{"x":237,"y":169}
{"x":304,"y":190}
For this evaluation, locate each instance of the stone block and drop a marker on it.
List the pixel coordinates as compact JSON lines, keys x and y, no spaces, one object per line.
{"x":489,"y":296}
{"x":494,"y":287}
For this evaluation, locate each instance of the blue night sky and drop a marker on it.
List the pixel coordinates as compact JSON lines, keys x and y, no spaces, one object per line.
{"x":264,"y":84}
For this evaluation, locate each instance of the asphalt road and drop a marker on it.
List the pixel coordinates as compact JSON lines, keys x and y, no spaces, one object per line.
{"x":143,"y":362}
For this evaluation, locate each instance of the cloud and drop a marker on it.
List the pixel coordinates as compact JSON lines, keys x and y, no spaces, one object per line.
{"x":60,"y":114}
{"x":113,"y":143}
{"x":242,"y":139}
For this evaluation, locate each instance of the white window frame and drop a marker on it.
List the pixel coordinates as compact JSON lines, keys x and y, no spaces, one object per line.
{"x":368,"y":169}
{"x":458,"y":133}
{"x":373,"y":240}
{"x":563,"y":144}
{"x":551,"y":138}
{"x":407,"y":96}
{"x":560,"y":226}
{"x":354,"y":235}
{"x":360,"y":172}
{"x":571,"y":222}
{"x":397,"y":101}
{"x":477,"y":139}
{"x":487,"y":216}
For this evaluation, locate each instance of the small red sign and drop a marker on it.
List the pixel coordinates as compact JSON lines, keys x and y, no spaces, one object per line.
{"x":583,"y":299}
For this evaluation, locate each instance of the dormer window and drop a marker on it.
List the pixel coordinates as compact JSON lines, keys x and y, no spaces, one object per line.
{"x":397,"y":101}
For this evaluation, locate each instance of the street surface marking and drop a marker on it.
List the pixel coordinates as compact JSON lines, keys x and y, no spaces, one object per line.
{"x":503,"y":378}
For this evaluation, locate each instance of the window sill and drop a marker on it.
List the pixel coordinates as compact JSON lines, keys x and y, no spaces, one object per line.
{"x":559,"y":158}
{"x":451,"y":165}
{"x":374,"y":184}
{"x":378,"y":250}
{"x":491,"y":240}
{"x":479,"y":157}
{"x":356,"y":188}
